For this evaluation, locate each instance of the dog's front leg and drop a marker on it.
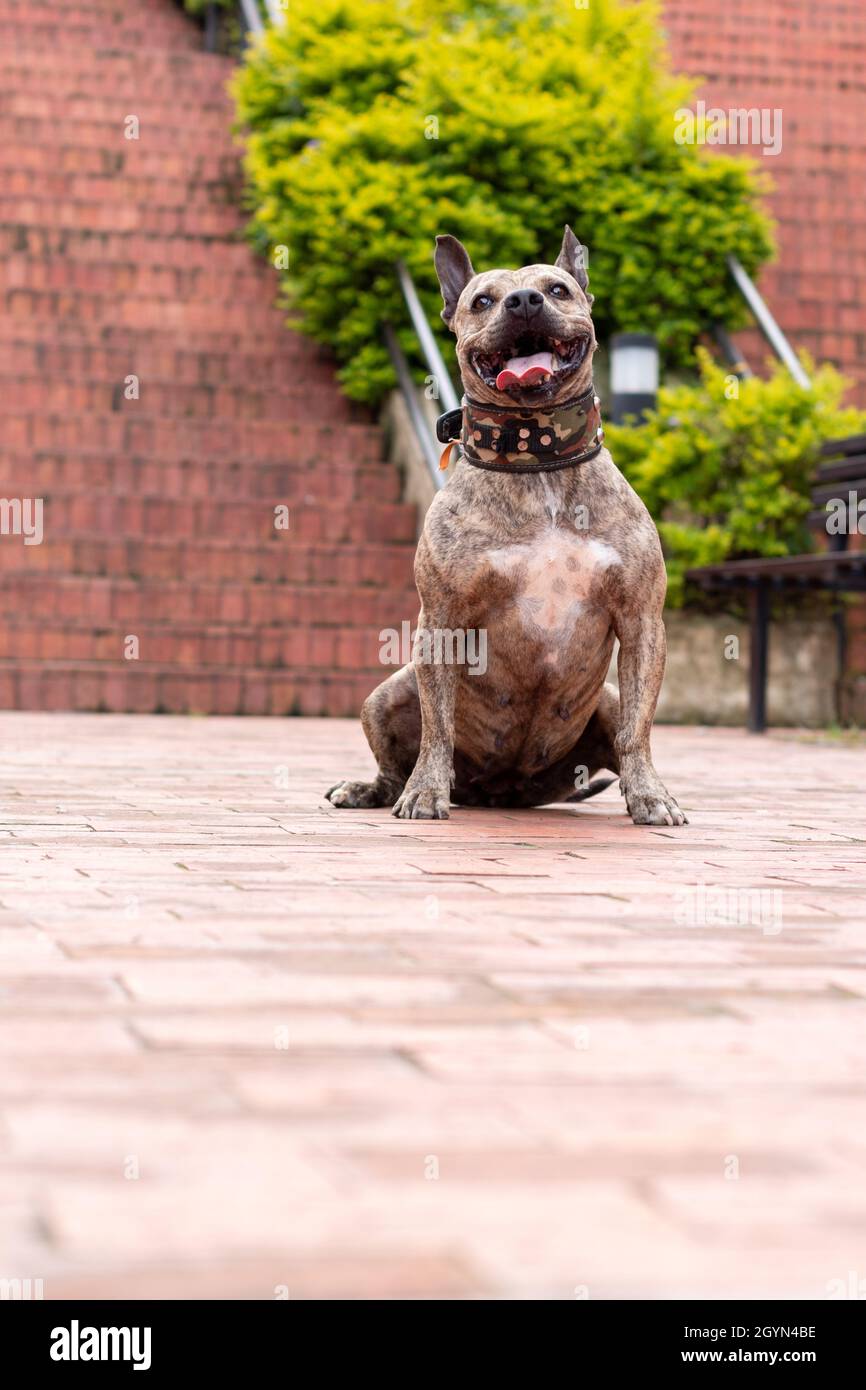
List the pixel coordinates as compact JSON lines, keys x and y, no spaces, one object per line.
{"x":426,"y":795}
{"x":641,"y":667}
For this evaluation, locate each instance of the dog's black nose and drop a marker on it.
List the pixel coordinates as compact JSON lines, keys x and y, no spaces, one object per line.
{"x":524,"y":303}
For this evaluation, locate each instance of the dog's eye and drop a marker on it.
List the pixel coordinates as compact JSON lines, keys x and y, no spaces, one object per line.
{"x":482,"y":301}
{"x":560,"y":292}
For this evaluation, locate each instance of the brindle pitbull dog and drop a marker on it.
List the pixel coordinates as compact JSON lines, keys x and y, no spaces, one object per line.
{"x":540,"y":541}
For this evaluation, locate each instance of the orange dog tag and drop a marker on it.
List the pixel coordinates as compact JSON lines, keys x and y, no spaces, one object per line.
{"x":445,"y":457}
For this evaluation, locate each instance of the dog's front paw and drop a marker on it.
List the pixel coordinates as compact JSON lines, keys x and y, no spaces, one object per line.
{"x":422,"y":803}
{"x":356,"y":795}
{"x":654,"y":806}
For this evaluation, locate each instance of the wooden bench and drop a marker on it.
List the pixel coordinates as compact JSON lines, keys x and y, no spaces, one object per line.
{"x":838,"y":569}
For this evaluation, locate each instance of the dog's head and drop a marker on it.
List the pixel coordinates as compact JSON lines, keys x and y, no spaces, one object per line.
{"x":524,"y":337}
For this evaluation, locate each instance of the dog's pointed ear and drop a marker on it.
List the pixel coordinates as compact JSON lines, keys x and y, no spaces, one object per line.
{"x":454,"y":269}
{"x":573,"y":258}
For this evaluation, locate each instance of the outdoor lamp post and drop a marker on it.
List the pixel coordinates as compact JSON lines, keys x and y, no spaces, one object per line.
{"x":634,"y":374}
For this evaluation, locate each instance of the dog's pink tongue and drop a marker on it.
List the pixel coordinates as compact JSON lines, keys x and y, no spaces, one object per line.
{"x":526,"y":371}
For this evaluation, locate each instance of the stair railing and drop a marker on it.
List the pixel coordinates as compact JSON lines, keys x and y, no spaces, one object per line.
{"x":766,"y":323}
{"x":277,"y":12}
{"x":439,"y":379}
{"x":252,"y":17}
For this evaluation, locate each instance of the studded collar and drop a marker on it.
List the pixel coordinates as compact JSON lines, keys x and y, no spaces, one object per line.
{"x":509,"y":439}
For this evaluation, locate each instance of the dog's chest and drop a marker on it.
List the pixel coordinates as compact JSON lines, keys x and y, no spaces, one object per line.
{"x":554,"y":579}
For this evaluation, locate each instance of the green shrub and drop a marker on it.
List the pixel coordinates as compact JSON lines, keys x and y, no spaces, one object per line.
{"x":546,"y":114}
{"x":725,"y":467}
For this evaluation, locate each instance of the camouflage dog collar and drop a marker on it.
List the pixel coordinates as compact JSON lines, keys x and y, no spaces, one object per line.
{"x":512,"y":440}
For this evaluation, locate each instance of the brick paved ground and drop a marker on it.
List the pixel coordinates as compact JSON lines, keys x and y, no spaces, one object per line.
{"x":518,"y":998}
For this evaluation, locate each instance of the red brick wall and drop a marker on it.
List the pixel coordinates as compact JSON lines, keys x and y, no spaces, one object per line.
{"x":126,"y":257}
{"x":809,"y":59}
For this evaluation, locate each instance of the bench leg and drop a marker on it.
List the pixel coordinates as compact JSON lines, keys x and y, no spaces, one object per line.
{"x":840,"y":622}
{"x":759,"y":619}
{"x":210,"y":28}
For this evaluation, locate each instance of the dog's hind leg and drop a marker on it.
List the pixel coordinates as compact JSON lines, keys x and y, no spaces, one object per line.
{"x":391,"y":719}
{"x":596,"y":750}
{"x":598,"y":784}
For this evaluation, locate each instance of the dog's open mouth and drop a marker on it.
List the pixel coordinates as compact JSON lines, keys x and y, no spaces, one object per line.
{"x":532,"y":360}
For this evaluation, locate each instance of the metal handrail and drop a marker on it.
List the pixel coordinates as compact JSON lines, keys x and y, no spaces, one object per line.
{"x":420,"y":425}
{"x":767,"y":324}
{"x":436,"y":367}
{"x":252,"y":16}
{"x":276,"y":12}
{"x":429,"y":346}
{"x":731,"y":353}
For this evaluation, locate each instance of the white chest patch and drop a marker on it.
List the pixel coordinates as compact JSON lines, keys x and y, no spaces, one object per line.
{"x":554,"y":576}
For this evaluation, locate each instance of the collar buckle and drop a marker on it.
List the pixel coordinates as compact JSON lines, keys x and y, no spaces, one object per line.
{"x":450,"y":425}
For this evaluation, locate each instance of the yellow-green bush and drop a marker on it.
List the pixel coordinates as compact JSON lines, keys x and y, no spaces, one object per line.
{"x":546,"y":114}
{"x":725,"y":467}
